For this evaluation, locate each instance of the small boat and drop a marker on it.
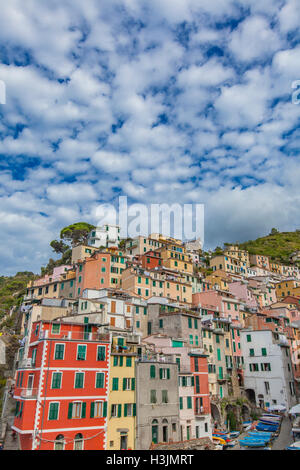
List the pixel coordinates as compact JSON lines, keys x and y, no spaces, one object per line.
{"x":219,"y":440}
{"x":294,"y":446}
{"x":234,"y":434}
{"x":231,"y":444}
{"x":266,"y":427}
{"x":252,"y":443}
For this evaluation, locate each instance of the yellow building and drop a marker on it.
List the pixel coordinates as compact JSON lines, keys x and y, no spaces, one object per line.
{"x":220,"y":281}
{"x":80,"y":252}
{"x":175,"y":258}
{"x":287,"y":287}
{"x":228,"y":264}
{"x":233,"y":251}
{"x":157,"y":283}
{"x":121,"y":422}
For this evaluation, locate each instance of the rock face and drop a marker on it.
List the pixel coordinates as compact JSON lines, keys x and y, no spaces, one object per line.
{"x":203,"y":443}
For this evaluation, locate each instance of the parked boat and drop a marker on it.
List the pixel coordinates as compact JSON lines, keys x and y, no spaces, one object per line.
{"x":294,"y":446}
{"x":252,"y":443}
{"x":234,"y":434}
{"x":219,"y":440}
{"x":266,"y":427}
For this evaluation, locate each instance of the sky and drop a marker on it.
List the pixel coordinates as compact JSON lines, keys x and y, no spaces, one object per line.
{"x":168,"y":101}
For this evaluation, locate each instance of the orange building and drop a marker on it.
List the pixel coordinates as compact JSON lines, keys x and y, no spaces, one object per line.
{"x":102,"y":270}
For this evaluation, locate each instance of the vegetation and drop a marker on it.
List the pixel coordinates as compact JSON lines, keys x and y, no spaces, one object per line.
{"x":277,"y":245}
{"x":12,"y":290}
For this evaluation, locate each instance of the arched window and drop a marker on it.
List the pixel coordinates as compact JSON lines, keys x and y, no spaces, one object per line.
{"x":78,"y":442}
{"x":59,"y":442}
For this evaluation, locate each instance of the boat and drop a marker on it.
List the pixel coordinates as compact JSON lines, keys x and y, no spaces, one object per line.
{"x":260,"y":434}
{"x":234,"y":434}
{"x":219,"y":440}
{"x":294,"y":446}
{"x":266,"y":427}
{"x":252,"y":443}
{"x":231,"y":444}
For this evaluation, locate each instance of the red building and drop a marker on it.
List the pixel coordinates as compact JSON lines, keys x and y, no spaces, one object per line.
{"x":150,"y":260}
{"x":62,"y":388}
{"x":199,"y":369}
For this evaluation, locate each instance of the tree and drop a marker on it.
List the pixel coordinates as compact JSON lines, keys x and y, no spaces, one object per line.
{"x":59,"y":246}
{"x":76,"y":233}
{"x":274,"y":231}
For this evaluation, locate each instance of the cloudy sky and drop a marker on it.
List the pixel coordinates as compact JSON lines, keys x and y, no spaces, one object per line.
{"x":162,"y":101}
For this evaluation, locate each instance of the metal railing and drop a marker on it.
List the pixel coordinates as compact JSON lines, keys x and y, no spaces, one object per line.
{"x":74,"y":335}
{"x":28,"y":392}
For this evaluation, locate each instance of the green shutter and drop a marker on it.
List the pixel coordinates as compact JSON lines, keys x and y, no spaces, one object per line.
{"x":92,"y":409}
{"x":125,"y":409}
{"x":160,"y":373}
{"x":152,"y":372}
{"x":134,"y":409}
{"x":128,"y":361}
{"x":124,"y":384}
{"x":132,"y":384}
{"x":119,"y":411}
{"x":115,"y":360}
{"x":70,"y":410}
{"x":83,"y":410}
{"x":168,"y":373}
{"x":105,"y":409}
{"x":115,"y":384}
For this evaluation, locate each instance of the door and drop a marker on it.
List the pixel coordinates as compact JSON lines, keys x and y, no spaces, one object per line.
{"x":155,"y":434}
{"x":165,"y":433}
{"x":124,"y":442}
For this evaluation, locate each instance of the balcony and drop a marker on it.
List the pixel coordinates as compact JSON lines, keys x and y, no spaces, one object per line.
{"x":116,"y":349}
{"x":75,"y":336}
{"x":29,"y":393}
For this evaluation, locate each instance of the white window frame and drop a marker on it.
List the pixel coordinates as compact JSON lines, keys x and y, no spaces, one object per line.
{"x":85,"y":352}
{"x":79,"y":372}
{"x":61,"y":344}
{"x":52,"y":403}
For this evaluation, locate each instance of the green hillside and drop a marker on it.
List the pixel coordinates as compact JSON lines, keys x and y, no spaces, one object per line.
{"x":12,"y":290}
{"x":277,"y":245}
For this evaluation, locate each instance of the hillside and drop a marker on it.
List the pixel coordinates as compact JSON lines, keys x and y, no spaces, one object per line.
{"x":12,"y":290}
{"x":277,"y":245}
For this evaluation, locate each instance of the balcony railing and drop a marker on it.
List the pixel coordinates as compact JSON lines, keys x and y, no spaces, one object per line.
{"x":200,"y":411}
{"x":29,"y":392}
{"x":116,"y":349}
{"x":74,"y":335}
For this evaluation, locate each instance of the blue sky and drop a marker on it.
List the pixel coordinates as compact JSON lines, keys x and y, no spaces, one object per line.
{"x":163,"y":101}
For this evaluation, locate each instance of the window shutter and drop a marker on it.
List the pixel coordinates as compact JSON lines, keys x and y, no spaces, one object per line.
{"x":160,"y":373}
{"x":125,"y":409}
{"x":152,"y":372}
{"x":105,"y":409}
{"x":115,"y":360}
{"x":92,"y":409}
{"x":193,"y":381}
{"x":119,"y":411}
{"x":83,"y":410}
{"x":132,"y":384}
{"x":70,"y":410}
{"x":168,"y":373}
{"x":124,"y":384}
{"x":134,"y":409}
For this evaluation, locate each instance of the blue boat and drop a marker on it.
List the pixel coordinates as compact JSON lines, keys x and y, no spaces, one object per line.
{"x":252,"y":443}
{"x":265,"y":427}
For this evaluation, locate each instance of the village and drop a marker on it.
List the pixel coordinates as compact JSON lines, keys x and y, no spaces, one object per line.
{"x":131,"y":346}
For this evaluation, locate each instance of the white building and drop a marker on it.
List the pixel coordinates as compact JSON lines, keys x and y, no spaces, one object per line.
{"x":268,"y":376}
{"x":107,"y":236}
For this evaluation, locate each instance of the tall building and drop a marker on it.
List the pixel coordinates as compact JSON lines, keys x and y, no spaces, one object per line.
{"x":61,"y":388}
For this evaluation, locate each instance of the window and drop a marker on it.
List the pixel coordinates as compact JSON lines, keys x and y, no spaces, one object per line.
{"x":180,"y":403}
{"x":78,"y":442}
{"x":98,"y":409}
{"x":263,"y":351}
{"x":81,"y":352}
{"x":53,"y":411}
{"x":56,"y":380}
{"x":128,"y":361}
{"x":164,"y":396}
{"x":115,"y":383}
{"x":164,"y":373}
{"x":248,"y":338}
{"x":59,"y":351}
{"x":77,"y":410}
{"x":251,"y":352}
{"x":101,"y":353}
{"x":189,"y":402}
{"x":152,"y":372}
{"x":59,"y":442}
{"x":129,"y":409}
{"x":99,"y":380}
{"x":79,"y":379}
{"x":267,"y":387}
{"x":153,"y":398}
